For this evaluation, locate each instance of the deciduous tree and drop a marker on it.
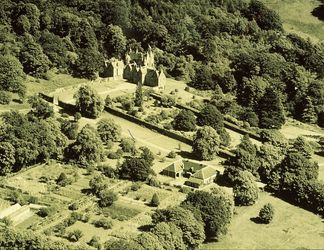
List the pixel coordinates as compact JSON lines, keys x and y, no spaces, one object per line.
{"x":88,"y":102}
{"x":206,"y":143}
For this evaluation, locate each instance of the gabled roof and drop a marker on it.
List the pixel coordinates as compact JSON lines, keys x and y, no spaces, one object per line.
{"x":204,"y":173}
{"x":175,"y":167}
{"x":193,"y":166}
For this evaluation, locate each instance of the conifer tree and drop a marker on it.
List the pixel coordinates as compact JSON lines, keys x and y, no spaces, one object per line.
{"x":308,"y":114}
{"x":155,"y":202}
{"x":138,"y":96}
{"x":271,"y":113}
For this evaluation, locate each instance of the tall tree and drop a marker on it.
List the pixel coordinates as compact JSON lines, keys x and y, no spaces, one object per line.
{"x":7,"y":158}
{"x":88,"y":102}
{"x":192,"y":229}
{"x":245,"y":189}
{"x":216,"y":209}
{"x":210,"y":116}
{"x":135,"y":169}
{"x":87,"y":149}
{"x":270,"y":110}
{"x":184,"y":121}
{"x":115,"y":42}
{"x":206,"y":143}
{"x":108,"y":130}
{"x":33,"y":59}
{"x":12,"y":75}
{"x":308,"y":113}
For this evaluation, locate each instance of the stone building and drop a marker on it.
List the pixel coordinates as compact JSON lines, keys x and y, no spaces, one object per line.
{"x":114,"y":69}
{"x":139,"y":68}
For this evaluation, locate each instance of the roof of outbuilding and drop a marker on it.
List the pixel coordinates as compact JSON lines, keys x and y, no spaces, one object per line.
{"x":175,"y":167}
{"x":204,"y":173}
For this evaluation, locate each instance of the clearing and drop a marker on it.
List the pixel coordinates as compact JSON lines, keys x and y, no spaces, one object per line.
{"x":291,"y":228}
{"x":297,"y":17}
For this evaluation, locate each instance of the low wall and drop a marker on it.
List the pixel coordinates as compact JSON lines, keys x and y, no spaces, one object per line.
{"x":148,"y":125}
{"x":227,"y":123}
{"x":222,"y":152}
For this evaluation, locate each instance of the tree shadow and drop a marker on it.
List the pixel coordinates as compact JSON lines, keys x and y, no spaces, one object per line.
{"x":66,"y":111}
{"x":145,"y":228}
{"x":86,"y":191}
{"x":17,"y":101}
{"x":256,"y":220}
{"x":186,"y":154}
{"x":319,"y":12}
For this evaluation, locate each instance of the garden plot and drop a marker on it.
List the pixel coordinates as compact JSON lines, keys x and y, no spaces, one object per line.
{"x":33,"y":180}
{"x":145,"y":192}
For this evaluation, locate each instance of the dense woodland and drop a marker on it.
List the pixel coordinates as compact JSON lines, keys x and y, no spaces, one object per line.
{"x":237,"y":46}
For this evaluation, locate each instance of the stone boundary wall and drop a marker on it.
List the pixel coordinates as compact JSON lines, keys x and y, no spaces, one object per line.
{"x":227,"y":123}
{"x":222,"y":152}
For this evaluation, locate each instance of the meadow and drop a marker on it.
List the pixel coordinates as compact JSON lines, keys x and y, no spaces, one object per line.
{"x":297,"y":17}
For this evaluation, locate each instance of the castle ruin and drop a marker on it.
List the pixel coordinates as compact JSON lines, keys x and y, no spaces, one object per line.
{"x":139,"y":68}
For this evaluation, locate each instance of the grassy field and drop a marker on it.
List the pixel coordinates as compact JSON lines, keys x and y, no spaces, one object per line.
{"x":297,"y":17}
{"x":55,"y":81}
{"x":291,"y":228}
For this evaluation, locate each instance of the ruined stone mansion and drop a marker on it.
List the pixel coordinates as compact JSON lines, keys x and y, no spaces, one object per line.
{"x":138,"y":68}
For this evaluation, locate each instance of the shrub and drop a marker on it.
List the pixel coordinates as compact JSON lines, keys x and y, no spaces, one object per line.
{"x":136,"y":186}
{"x":128,"y":145}
{"x":77,"y":116}
{"x":155,"y":202}
{"x":45,"y":211}
{"x":5,"y":97}
{"x":86,"y":217}
{"x":16,"y":197}
{"x":107,"y":171}
{"x":167,"y":126}
{"x":127,"y":105}
{"x":95,"y":242}
{"x":113,"y":155}
{"x":33,"y":200}
{"x":168,"y":101}
{"x":266,"y":213}
{"x":63,"y":180}
{"x":74,"y":217}
{"x":69,"y":128}
{"x":7,"y":221}
{"x":74,"y":206}
{"x":75,"y":235}
{"x":108,"y":101}
{"x":185,"y":190}
{"x":172,"y":154}
{"x":153,"y":182}
{"x":104,"y":223}
{"x":107,"y":198}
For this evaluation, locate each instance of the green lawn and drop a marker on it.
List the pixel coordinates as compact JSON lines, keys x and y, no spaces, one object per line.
{"x":297,"y":17}
{"x":291,"y":228}
{"x":55,"y":81}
